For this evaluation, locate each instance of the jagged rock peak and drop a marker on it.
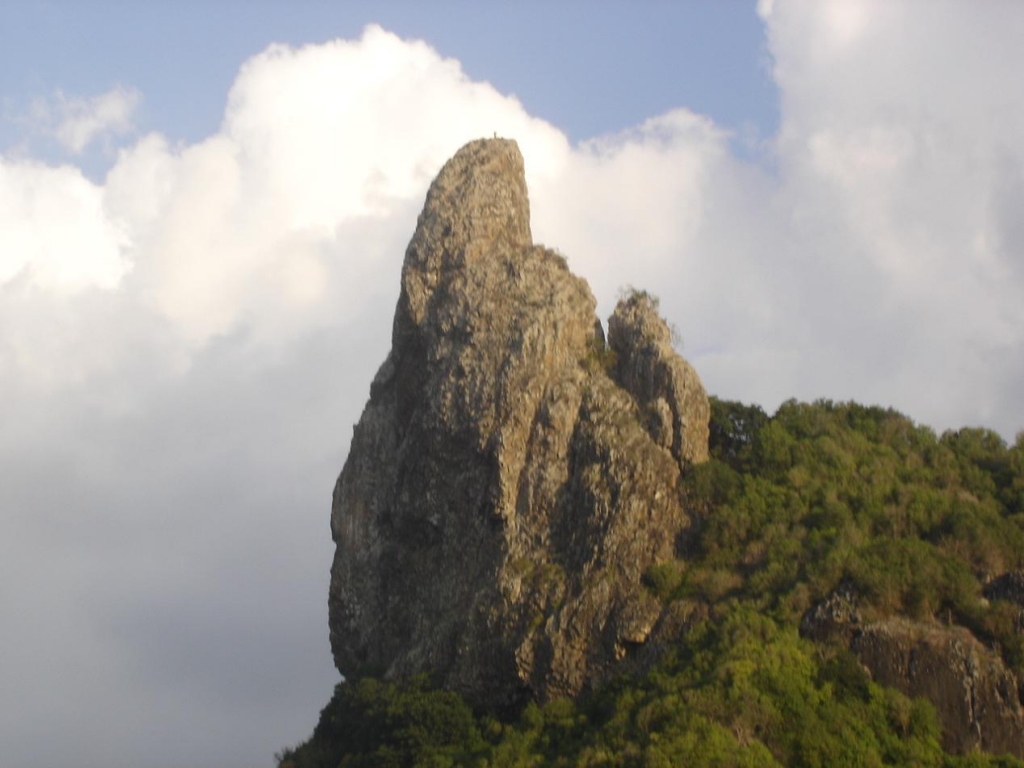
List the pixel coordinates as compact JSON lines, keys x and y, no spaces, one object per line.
{"x":507,"y":486}
{"x":477,"y":203}
{"x":664,"y":383}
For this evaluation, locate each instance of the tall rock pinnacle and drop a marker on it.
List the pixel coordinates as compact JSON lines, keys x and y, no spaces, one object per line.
{"x":511,"y":479}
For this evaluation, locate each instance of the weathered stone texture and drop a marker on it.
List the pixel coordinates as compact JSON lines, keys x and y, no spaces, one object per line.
{"x":975,"y":695}
{"x":503,"y":495}
{"x":662,"y":382}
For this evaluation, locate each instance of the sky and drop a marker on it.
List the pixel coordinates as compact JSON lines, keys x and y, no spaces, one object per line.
{"x":203,"y":213}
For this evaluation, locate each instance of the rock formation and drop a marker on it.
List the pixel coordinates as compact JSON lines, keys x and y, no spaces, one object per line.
{"x":511,"y":478}
{"x":975,"y":695}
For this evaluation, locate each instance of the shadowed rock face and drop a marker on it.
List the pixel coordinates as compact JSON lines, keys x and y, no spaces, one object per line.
{"x":504,"y":493}
{"x":665,"y":386}
{"x":975,"y":695}
{"x":1009,"y":587}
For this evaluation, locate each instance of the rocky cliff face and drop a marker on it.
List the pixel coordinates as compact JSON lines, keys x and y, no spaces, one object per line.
{"x":511,"y":479}
{"x":975,"y":695}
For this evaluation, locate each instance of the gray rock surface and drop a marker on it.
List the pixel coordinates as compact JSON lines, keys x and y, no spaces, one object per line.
{"x":975,"y":695}
{"x":507,"y":486}
{"x":834,"y":618}
{"x":664,"y":384}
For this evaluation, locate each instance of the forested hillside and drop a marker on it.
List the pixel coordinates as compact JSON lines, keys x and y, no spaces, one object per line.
{"x":821,"y":504}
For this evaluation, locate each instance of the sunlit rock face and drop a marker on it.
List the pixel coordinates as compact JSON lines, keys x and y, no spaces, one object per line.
{"x":512,"y":477}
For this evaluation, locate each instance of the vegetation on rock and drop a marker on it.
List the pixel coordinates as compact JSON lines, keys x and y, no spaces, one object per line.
{"x":790,"y":511}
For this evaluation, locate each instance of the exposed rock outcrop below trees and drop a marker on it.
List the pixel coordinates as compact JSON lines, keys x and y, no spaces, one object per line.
{"x":974,"y":694}
{"x":511,"y":478}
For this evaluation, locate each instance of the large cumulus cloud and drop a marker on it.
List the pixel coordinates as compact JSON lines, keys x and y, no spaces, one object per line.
{"x":900,"y":153}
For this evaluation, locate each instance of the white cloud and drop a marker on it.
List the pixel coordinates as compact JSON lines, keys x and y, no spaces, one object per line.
{"x":319,"y":147}
{"x":897,"y":149}
{"x":53,"y":232}
{"x":82,"y":120}
{"x":626,"y":209}
{"x":184,"y":345}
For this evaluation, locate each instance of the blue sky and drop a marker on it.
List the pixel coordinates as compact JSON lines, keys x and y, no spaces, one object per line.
{"x":590,"y":68}
{"x":203,"y":213}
